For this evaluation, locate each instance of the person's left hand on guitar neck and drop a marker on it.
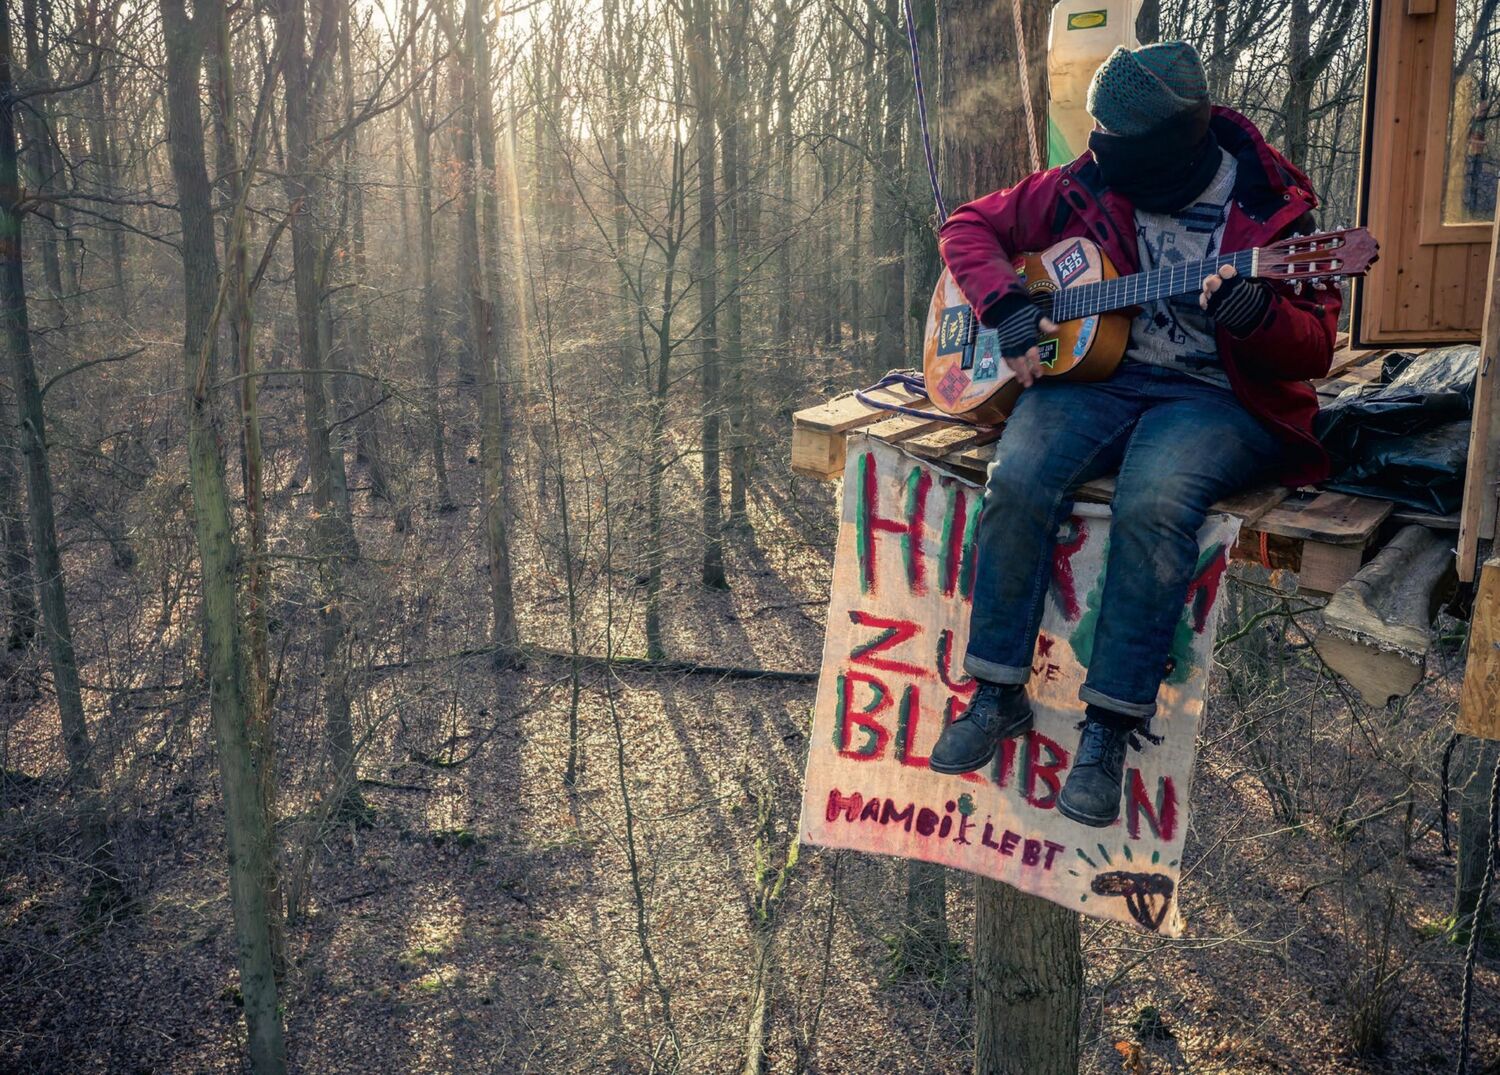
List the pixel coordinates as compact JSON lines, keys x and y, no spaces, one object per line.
{"x":1018,"y":334}
{"x":1239,"y":303}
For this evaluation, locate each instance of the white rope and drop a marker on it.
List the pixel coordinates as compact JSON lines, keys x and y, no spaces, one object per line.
{"x":1031,"y":142}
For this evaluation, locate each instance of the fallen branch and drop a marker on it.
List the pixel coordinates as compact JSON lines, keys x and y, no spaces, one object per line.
{"x":632,"y":664}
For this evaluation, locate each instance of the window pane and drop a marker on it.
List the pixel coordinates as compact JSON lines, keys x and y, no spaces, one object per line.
{"x":1473,"y":164}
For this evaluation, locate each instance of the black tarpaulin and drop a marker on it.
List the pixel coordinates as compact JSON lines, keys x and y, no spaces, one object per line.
{"x":1405,"y":438}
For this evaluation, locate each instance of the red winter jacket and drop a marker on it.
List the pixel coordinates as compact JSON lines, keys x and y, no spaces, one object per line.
{"x":1269,"y":368}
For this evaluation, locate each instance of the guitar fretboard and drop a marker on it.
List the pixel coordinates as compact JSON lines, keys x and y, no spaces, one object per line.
{"x":1085,"y":299}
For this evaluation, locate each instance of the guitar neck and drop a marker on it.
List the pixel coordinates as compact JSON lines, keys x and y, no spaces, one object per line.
{"x":1123,"y":291}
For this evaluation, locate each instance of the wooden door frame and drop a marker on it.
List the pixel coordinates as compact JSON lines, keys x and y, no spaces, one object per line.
{"x":1434,"y":178}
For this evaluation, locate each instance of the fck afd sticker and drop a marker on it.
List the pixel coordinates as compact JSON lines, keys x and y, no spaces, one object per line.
{"x":1069,"y":265}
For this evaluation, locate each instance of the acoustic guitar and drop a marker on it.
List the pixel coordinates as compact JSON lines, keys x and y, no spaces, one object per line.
{"x":1076,"y":286}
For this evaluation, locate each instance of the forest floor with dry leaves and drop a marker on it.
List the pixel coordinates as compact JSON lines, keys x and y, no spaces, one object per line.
{"x":487,"y":919}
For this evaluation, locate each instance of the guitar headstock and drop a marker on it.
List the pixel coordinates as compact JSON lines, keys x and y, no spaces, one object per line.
{"x":1349,"y":252}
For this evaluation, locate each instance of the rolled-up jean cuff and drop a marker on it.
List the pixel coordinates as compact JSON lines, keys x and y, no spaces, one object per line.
{"x":991,"y":672}
{"x":1144,"y":710}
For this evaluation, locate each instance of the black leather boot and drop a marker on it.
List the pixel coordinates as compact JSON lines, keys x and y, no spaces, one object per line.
{"x":994,"y":713}
{"x":1091,"y":795}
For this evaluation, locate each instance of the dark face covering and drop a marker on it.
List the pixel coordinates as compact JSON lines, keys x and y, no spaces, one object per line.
{"x":1165,"y":169}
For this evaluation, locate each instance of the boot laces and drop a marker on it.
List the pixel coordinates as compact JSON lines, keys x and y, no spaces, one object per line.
{"x":1101,"y":746}
{"x":984,"y":710}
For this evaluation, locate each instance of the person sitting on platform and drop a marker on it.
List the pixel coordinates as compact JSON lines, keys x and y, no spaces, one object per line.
{"x":1211,"y":398}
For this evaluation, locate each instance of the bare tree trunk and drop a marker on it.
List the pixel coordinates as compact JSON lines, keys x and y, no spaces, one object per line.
{"x":15,"y":567}
{"x":734,"y":153}
{"x":701,"y":63}
{"x":786,"y":25}
{"x":832,"y":316}
{"x":1148,"y":22}
{"x":1028,"y":977}
{"x":333,"y":530}
{"x":83,"y":781}
{"x":37,"y":125}
{"x":482,"y":329}
{"x":656,"y":435}
{"x":102,"y":153}
{"x":887,"y":228}
{"x":364,"y":394}
{"x":1220,"y":60}
{"x":500,"y":372}
{"x":1297,"y":105}
{"x":1307,"y":60}
{"x":1028,"y":973}
{"x":1473,"y":834}
{"x":249,"y":835}
{"x":923,"y":263}
{"x":431,"y":348}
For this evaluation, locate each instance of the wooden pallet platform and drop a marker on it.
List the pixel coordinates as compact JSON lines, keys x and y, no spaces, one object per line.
{"x":1323,"y":536}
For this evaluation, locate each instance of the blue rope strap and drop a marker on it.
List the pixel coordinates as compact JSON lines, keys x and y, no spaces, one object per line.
{"x":916,"y":384}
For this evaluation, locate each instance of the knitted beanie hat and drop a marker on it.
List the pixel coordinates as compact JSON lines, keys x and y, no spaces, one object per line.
{"x":1136,"y":90}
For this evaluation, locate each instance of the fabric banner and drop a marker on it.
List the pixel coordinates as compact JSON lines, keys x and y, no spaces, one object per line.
{"x":892,"y":673}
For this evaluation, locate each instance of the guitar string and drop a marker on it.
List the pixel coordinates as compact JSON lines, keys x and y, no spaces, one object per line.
{"x":1099,"y":296}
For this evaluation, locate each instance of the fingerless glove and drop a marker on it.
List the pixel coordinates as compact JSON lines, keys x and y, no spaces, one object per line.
{"x":1240,"y":304}
{"x":1017,"y":323}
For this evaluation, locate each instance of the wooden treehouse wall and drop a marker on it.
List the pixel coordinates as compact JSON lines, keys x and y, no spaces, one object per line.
{"x":1429,"y":285}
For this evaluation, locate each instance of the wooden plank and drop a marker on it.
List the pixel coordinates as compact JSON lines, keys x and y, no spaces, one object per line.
{"x":950,"y":440}
{"x":898,"y":428}
{"x":1252,"y":505}
{"x":1479,"y":704}
{"x":978,"y":457}
{"x":1422,"y":518}
{"x":846,"y":412}
{"x":1421,"y":7}
{"x":818,"y":433}
{"x":1345,"y":359}
{"x":1248,"y":506}
{"x":1478,"y":514}
{"x":1098,"y":491}
{"x":1330,"y":518}
{"x":1324,"y":568}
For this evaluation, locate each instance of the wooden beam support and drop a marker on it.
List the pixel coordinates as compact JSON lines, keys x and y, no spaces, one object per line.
{"x":1375,"y":631}
{"x":1476,"y":521}
{"x":817,"y":453}
{"x":1479,"y":708}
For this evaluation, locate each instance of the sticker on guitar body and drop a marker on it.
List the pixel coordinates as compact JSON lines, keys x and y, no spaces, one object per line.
{"x":987,"y":356}
{"x":953,"y":330}
{"x":1048,"y":351}
{"x":1085,"y":336}
{"x":1069,"y":264}
{"x":952,"y":386}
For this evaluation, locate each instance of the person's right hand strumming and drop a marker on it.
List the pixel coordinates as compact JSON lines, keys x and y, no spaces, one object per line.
{"x":1018,"y":332}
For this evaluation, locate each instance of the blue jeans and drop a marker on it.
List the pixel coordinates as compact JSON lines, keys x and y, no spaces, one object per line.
{"x":1179,"y":444}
